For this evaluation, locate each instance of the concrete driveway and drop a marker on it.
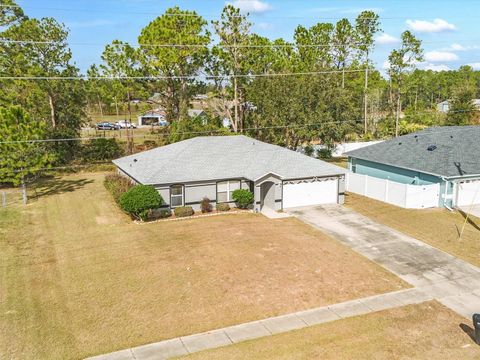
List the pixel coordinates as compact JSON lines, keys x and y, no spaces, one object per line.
{"x":453,"y":282}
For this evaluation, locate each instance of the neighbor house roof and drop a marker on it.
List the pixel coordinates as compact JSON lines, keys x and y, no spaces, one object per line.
{"x":221,"y":157}
{"x":454,"y":151}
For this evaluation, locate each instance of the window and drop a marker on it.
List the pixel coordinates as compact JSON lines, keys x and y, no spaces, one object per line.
{"x":225,"y":190}
{"x":176,"y":196}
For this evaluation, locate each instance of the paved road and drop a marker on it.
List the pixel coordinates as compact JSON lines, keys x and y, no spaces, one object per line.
{"x":453,"y":282}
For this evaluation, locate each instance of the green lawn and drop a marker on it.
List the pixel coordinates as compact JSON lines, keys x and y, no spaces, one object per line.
{"x":79,"y":278}
{"x":437,"y":227}
{"x":424,"y":331}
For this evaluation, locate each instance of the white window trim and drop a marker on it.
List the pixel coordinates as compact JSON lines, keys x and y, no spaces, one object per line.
{"x":229,"y":192}
{"x":182,"y":195}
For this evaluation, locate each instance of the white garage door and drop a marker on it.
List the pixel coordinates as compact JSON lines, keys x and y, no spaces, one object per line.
{"x":310,"y":193}
{"x":468,"y":193}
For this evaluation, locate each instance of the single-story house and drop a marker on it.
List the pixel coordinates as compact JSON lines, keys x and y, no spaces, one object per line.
{"x":444,"y":106}
{"x":187,"y":171}
{"x":448,"y":156}
{"x":156,"y":116}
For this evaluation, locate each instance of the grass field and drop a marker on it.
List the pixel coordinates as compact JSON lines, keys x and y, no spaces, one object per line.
{"x":79,"y":278}
{"x":424,"y":331}
{"x":437,"y":227}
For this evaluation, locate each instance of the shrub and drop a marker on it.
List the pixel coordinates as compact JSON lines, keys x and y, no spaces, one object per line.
{"x":183,"y":211}
{"x":309,"y":150}
{"x":205,"y":205}
{"x":117,"y":185}
{"x":223,"y":207}
{"x":101,"y":149}
{"x":139,"y":200}
{"x":159,"y":214}
{"x":243,"y":198}
{"x":324,"y":153}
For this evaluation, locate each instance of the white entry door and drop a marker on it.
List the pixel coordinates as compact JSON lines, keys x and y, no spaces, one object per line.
{"x":468,"y":193}
{"x":310,"y":193}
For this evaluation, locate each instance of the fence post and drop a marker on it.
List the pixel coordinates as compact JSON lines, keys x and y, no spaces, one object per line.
{"x":406,"y":196}
{"x":387,"y":185}
{"x":4,"y":199}
{"x":366,"y":186}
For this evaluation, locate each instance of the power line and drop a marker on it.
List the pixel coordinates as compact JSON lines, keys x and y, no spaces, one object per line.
{"x":288,"y":45}
{"x":186,"y":77}
{"x":180,"y":133}
{"x":205,"y":16}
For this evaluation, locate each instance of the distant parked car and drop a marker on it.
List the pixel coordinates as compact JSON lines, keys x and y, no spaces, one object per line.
{"x":107,"y":126}
{"x":123,"y":124}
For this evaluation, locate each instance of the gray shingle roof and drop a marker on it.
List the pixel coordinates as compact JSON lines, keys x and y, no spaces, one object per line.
{"x":221,"y":157}
{"x":457,"y":151}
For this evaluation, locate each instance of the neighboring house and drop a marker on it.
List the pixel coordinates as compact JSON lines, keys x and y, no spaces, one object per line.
{"x":444,"y":106}
{"x":152,"y":117}
{"x":194,"y":113}
{"x":448,"y":156}
{"x":213,"y":167}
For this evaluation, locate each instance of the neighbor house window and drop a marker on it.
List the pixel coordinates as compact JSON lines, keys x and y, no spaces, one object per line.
{"x":225,"y":190}
{"x":176,"y":196}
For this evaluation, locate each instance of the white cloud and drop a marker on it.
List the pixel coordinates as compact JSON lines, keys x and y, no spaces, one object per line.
{"x":386,"y":65}
{"x":475,"y":65}
{"x":386,"y":39}
{"x":265,"y":26}
{"x":440,"y":56}
{"x":437,"y":25}
{"x":458,"y":47}
{"x":251,"y":6}
{"x":437,"y":67}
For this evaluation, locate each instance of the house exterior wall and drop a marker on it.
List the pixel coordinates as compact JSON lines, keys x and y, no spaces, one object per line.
{"x":195,"y":192}
{"x":403,"y":176}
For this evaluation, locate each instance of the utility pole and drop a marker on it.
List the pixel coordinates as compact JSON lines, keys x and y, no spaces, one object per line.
{"x":398,"y":114}
{"x":235,"y":88}
{"x":129,"y":131}
{"x":366,"y":97}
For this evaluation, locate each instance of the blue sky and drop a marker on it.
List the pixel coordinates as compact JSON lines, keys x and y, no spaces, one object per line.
{"x":449,"y":29}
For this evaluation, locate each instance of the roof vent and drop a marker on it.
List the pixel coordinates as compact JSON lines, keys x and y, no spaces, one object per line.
{"x":432,"y":147}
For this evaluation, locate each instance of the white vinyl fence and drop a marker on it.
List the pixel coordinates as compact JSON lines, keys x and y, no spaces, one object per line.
{"x":403,"y":195}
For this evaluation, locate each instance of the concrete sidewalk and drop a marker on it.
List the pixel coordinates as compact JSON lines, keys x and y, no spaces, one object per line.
{"x":453,"y":282}
{"x":256,"y":329}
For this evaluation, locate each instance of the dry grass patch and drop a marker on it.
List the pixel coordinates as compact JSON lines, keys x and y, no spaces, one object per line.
{"x":424,"y":331}
{"x":79,"y":278}
{"x":437,"y":227}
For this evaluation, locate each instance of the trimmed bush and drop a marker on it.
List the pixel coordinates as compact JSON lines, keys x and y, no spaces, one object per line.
{"x":183,"y":211}
{"x":243,"y":198}
{"x":159,"y":214}
{"x":117,"y":185}
{"x":205,"y":205}
{"x":223,"y":207}
{"x":139,"y":200}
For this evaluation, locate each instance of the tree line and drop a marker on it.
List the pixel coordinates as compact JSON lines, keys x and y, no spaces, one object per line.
{"x":321,"y":86}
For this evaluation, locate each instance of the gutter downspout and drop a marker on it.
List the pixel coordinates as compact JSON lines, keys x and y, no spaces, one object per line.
{"x":445,"y":194}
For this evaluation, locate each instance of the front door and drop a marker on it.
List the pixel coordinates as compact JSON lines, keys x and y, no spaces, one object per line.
{"x":268,"y":195}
